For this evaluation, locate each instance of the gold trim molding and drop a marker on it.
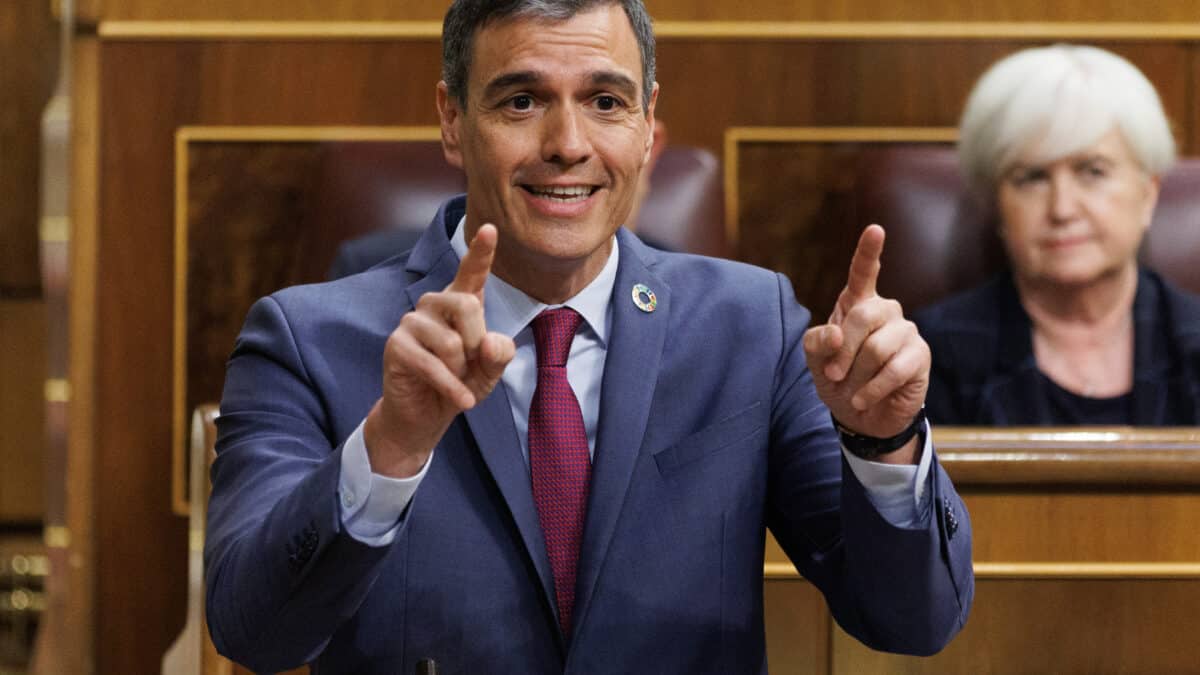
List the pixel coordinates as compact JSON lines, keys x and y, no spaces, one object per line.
{"x":184,"y":137}
{"x":670,"y":30}
{"x":735,"y":137}
{"x":1047,"y":570}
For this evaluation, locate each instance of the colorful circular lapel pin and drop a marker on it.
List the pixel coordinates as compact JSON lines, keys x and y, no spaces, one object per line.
{"x":644,"y":298}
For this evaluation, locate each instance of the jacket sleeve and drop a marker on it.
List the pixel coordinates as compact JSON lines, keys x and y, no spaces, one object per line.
{"x":895,"y":589}
{"x":281,"y":575}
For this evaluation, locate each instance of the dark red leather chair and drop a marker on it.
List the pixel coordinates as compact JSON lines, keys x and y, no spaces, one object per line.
{"x":361,"y":187}
{"x":940,"y":241}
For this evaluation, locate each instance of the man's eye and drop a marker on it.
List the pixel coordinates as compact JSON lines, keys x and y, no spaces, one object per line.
{"x":607,"y":103}
{"x":521,"y":102}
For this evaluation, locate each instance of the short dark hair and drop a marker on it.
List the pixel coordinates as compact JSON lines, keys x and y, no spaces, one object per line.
{"x":465,"y":17}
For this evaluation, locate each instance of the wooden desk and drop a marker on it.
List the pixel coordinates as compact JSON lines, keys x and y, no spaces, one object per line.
{"x":1087,"y":560}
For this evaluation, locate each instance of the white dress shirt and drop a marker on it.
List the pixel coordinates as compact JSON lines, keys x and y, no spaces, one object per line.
{"x":372,"y":504}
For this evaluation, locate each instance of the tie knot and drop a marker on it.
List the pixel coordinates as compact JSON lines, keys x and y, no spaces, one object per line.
{"x":553,"y":331}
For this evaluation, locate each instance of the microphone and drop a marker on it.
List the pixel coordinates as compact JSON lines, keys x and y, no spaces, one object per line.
{"x":427,"y":666}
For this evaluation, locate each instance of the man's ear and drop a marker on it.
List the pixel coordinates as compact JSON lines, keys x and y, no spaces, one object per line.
{"x":450,"y":115}
{"x":656,"y":140}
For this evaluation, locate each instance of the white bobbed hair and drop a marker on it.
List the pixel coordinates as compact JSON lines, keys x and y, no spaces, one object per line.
{"x":1056,"y":101}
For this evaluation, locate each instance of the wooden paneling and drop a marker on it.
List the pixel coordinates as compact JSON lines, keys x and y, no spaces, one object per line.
{"x":245,"y":232}
{"x":138,"y":587}
{"x":1073,"y":576}
{"x":869,"y":83}
{"x":27,"y":66}
{"x":22,"y":376}
{"x":1067,"y":627}
{"x":798,"y":627}
{"x":677,"y":10}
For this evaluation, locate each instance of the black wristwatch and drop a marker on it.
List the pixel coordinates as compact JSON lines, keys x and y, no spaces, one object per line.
{"x":870,"y":447}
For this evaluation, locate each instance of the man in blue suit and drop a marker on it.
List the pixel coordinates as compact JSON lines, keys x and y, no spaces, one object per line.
{"x":536,"y":445}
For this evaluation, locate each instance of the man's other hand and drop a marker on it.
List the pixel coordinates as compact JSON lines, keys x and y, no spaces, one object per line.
{"x":869,"y":364}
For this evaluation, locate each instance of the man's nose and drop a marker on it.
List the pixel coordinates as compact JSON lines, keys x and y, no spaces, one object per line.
{"x":565,"y":136}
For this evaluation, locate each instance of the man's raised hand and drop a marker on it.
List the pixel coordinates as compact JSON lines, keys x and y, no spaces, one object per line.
{"x":440,"y":361}
{"x":869,"y":364}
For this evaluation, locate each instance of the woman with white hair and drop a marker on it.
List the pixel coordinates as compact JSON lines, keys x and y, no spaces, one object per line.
{"x":1066,"y":144}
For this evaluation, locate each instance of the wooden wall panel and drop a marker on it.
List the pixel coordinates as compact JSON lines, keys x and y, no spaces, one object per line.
{"x":678,"y":10}
{"x":245,"y":233}
{"x":138,"y":587}
{"x":1067,"y":627}
{"x":1106,"y":526}
{"x":710,"y":85}
{"x":798,"y":627}
{"x":28,"y":63}
{"x":22,"y":375}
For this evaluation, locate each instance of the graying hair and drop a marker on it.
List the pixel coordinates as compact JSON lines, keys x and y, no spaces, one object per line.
{"x":1064,"y":98}
{"x":465,"y":17}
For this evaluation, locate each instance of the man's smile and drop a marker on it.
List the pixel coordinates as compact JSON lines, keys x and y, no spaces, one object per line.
{"x":566,"y":194}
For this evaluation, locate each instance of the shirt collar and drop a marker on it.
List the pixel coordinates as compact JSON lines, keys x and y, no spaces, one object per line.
{"x":507,"y":309}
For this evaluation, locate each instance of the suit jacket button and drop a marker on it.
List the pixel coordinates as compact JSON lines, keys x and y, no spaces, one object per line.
{"x":949,"y":518}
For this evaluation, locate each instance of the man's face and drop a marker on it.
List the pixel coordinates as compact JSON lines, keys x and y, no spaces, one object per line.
{"x":552,"y":139}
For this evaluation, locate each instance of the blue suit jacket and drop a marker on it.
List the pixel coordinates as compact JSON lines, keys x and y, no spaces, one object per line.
{"x":710,"y":431}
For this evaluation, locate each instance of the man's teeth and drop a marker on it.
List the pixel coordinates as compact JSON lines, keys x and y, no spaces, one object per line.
{"x":566,"y":194}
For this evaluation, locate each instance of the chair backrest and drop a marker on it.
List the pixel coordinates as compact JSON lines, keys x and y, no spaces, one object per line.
{"x":685,"y":208}
{"x":361,"y":187}
{"x":940,"y":242}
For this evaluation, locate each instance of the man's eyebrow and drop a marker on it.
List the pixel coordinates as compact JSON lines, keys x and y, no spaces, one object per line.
{"x":507,"y":80}
{"x":616,"y":80}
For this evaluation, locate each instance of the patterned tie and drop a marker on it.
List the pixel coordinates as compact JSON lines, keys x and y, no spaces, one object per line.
{"x":558,"y":454}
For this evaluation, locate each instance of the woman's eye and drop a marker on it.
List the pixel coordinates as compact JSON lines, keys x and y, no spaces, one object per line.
{"x":1022,"y":178}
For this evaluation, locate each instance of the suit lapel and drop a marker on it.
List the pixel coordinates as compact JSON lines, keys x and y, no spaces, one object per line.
{"x":491,"y":424}
{"x":630,"y":373}
{"x":434,"y":264}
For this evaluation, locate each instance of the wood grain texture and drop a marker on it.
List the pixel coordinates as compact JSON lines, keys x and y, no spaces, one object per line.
{"x":677,"y":10}
{"x":798,"y":627}
{"x":1063,"y":627}
{"x":283,"y":83}
{"x":23,"y":369}
{"x":707,"y":86}
{"x":28,"y":62}
{"x":245,"y":236}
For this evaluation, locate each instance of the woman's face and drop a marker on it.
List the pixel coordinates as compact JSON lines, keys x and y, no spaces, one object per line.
{"x":1077,"y":219}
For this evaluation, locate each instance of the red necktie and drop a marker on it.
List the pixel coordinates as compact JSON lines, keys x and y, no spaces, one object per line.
{"x":558,"y":454}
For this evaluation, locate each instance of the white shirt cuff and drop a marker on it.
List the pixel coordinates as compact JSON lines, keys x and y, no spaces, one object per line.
{"x":372,"y":504}
{"x":898,"y":491}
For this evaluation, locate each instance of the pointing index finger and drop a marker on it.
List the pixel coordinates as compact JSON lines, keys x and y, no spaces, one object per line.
{"x":864,"y":267}
{"x":477,"y":263}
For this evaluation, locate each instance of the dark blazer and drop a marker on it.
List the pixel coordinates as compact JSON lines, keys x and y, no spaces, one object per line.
{"x":710,"y":431}
{"x":984,"y":371}
{"x":362,"y":253}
